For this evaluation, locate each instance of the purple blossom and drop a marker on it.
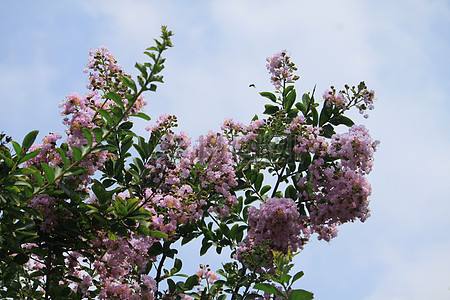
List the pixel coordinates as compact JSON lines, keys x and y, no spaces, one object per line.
{"x":278,"y":222}
{"x":281,"y":69}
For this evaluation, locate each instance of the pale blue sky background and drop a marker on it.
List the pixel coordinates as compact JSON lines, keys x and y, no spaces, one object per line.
{"x":401,"y":48}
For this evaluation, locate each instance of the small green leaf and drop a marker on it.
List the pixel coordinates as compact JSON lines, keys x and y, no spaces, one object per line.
{"x":116,"y":98}
{"x":127,"y":81}
{"x":191,"y":282}
{"x":49,"y":172}
{"x":17,"y":148}
{"x":21,"y":258}
{"x":88,"y":135}
{"x":29,"y":140}
{"x":297,"y":276}
{"x":300,"y":295}
{"x":325,"y":113}
{"x":259,"y":181}
{"x":142,"y":116}
{"x":270,"y":109}
{"x":268,"y":288}
{"x":265,"y":189}
{"x":269,"y":96}
{"x":158,"y":234}
{"x":290,"y":99}
{"x":63,"y":156}
{"x":76,"y":153}
{"x":291,"y":192}
{"x":341,"y":119}
{"x":29,"y":156}
{"x":205,"y":248}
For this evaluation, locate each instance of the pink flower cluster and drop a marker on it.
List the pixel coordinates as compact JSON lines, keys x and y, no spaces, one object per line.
{"x":243,"y":137}
{"x":340,"y":195}
{"x":213,"y":163}
{"x":281,"y":69}
{"x":205,"y":273}
{"x":121,"y":269}
{"x":104,"y":72}
{"x":277,"y":222}
{"x":81,"y":112}
{"x":47,"y":152}
{"x":355,"y":148}
{"x":164,"y":123}
{"x":308,"y":138}
{"x":334,"y":192}
{"x":337,"y":99}
{"x":171,"y":209}
{"x":46,"y":206}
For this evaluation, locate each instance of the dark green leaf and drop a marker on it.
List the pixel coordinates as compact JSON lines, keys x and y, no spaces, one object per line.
{"x":29,"y":140}
{"x":158,"y":234}
{"x":300,"y":295}
{"x":268,"y":288}
{"x":142,"y":116}
{"x":290,"y":99}
{"x":115,"y":97}
{"x":270,"y":109}
{"x":341,"y":119}
{"x":325,"y":113}
{"x":297,"y":276}
{"x":269,"y":96}
{"x":49,"y":172}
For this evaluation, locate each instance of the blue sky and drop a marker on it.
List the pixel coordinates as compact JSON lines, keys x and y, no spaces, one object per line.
{"x":400,"y":48}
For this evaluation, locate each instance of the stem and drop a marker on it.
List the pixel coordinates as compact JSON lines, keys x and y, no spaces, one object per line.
{"x":160,"y":266}
{"x":48,"y":265}
{"x":280,"y":177}
{"x":238,"y":286}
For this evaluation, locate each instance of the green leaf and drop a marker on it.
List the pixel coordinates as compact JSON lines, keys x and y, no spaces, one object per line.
{"x":300,"y":295}
{"x":290,"y":99}
{"x":142,"y":116}
{"x":106,"y":116}
{"x":49,"y":172}
{"x":21,"y":258}
{"x":76,"y":152}
{"x":259,"y":181}
{"x":301,"y":107}
{"x":328,"y":131}
{"x":325,"y":113}
{"x":158,"y":234}
{"x":142,"y":69}
{"x":127,"y":81}
{"x":29,"y":140}
{"x":306,"y":99}
{"x":297,"y":276}
{"x":88,"y":135}
{"x":291,"y":192}
{"x":17,"y":148}
{"x":341,"y":119}
{"x":268,"y":288}
{"x":287,"y":90}
{"x":29,"y":156}
{"x":205,"y":248}
{"x":176,"y":266}
{"x":98,"y":132}
{"x":265,"y":189}
{"x":63,"y":156}
{"x":270,"y":109}
{"x":269,"y":96}
{"x":315,"y":116}
{"x":116,"y":98}
{"x":191,"y":282}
